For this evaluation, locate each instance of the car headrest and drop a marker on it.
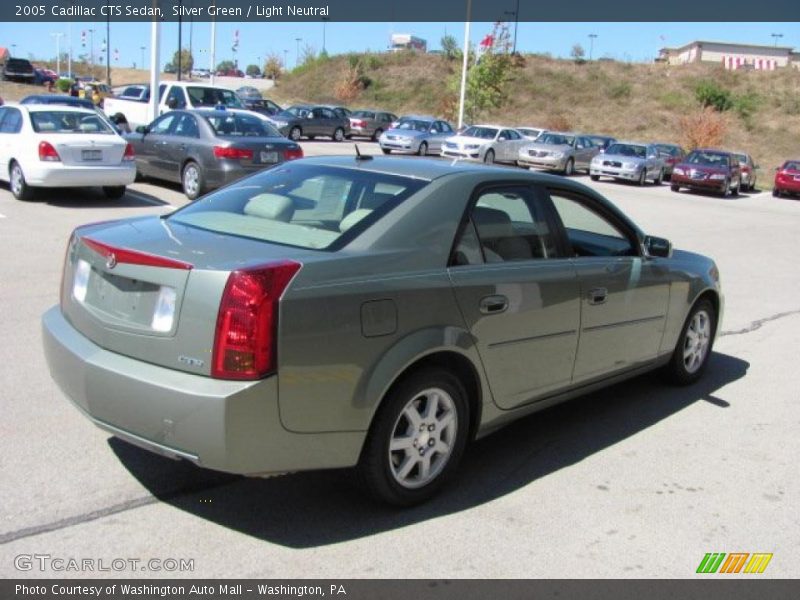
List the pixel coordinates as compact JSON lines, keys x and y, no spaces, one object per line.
{"x":492,"y":223}
{"x":353,"y":218}
{"x":270,"y":206}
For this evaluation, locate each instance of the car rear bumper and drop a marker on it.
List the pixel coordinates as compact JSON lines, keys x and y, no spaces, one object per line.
{"x":230,"y":426}
{"x":59,"y":175}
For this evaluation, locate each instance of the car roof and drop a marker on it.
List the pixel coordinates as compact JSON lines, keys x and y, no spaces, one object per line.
{"x":633,"y":143}
{"x":51,"y":107}
{"x":714,"y":150}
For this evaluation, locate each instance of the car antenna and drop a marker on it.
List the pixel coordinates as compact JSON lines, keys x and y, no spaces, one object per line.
{"x":360,"y":156}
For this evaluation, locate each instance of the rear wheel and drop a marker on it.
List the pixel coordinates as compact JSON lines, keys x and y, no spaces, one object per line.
{"x":738,"y":189}
{"x":377,"y":134}
{"x":416,"y":439}
{"x":674,"y":187}
{"x":693,"y":349}
{"x":19,"y":187}
{"x":594,"y":177}
{"x":338,"y":134}
{"x":776,"y":193}
{"x":192,"y":179}
{"x":114,"y":192}
{"x":423,"y":149}
{"x":660,"y":179}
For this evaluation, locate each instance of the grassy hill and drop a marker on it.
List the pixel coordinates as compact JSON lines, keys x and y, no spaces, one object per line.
{"x":631,"y":101}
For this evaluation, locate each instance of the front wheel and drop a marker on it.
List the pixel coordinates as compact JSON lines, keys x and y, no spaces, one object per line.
{"x":488,"y":158}
{"x":594,"y":177}
{"x":114,"y":192}
{"x":569,"y":168}
{"x":693,"y":349}
{"x":776,"y":193}
{"x":675,"y":188}
{"x":386,"y":151}
{"x":295,"y":133}
{"x":660,"y":179}
{"x":423,"y":149}
{"x":642,"y":177}
{"x":19,"y":187}
{"x":338,"y":134}
{"x":417,"y":438}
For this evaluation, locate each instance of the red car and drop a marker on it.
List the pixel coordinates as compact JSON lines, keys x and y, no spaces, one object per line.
{"x":707,"y":169}
{"x":787,"y":179}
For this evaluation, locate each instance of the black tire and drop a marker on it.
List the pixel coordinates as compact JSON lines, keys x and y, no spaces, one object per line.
{"x":726,"y":191}
{"x":675,"y":187}
{"x":376,"y":473}
{"x":192,"y":173}
{"x":738,"y":189}
{"x":114,"y":192}
{"x":423,"y":149}
{"x":488,"y":158}
{"x":594,"y":177}
{"x":386,"y":151}
{"x":16,"y":182}
{"x":338,"y":134}
{"x":295,"y":133}
{"x":660,"y":179}
{"x":776,"y":193}
{"x":310,"y":138}
{"x":642,"y":177}
{"x":569,"y":168}
{"x":676,"y":370}
{"x":377,"y":134}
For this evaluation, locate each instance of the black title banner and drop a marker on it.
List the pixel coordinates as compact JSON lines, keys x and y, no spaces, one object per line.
{"x":396,"y":10}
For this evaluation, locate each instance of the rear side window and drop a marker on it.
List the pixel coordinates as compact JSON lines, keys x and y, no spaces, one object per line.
{"x":590,"y":233}
{"x":306,"y":206}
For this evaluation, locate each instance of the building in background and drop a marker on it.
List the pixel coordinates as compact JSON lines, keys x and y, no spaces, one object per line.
{"x":406,"y":41}
{"x":731,"y":55}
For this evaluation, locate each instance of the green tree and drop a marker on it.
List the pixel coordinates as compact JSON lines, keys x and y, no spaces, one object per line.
{"x":226,"y":65}
{"x":187,"y":61}
{"x":450,"y":47}
{"x":710,"y":94}
{"x":488,"y":79}
{"x":578,"y":53}
{"x":253,"y":71}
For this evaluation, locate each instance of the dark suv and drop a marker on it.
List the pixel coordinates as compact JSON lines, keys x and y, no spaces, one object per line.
{"x":708,"y":169}
{"x":18,"y":69}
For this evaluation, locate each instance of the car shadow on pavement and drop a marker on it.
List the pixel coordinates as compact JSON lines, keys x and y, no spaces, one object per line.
{"x":312,"y":509}
{"x":95,"y":198}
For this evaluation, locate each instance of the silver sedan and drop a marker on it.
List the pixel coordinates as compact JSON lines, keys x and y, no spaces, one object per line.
{"x":564,"y":152}
{"x":416,"y":135}
{"x":487,"y":143}
{"x":631,"y":161}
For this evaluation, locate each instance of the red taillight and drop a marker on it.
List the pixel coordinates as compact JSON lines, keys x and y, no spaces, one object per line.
{"x":234,"y":153}
{"x":293,"y":153}
{"x":48,"y":152}
{"x":359,"y":123}
{"x":135,"y":257}
{"x":245,"y":341}
{"x":129,"y":153}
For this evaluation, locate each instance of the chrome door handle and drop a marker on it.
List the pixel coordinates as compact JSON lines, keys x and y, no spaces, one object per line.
{"x":597,"y":295}
{"x":491,"y":305}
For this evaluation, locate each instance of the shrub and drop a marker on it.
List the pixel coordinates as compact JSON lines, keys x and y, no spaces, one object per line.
{"x":746,"y":104}
{"x":558,"y":122}
{"x":706,"y":127}
{"x":709,"y":94}
{"x":63,"y":85}
{"x":620,"y":90}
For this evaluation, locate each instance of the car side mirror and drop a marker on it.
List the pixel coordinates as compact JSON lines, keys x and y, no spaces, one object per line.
{"x":142,"y":129}
{"x":657,"y":247}
{"x":172,"y":103}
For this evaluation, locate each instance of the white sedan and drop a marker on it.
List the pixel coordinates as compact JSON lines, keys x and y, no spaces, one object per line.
{"x":487,"y":143}
{"x":60,"y":146}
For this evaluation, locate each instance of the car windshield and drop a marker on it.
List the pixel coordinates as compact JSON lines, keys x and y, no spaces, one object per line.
{"x":305,"y":206}
{"x":363,"y":114}
{"x":556,"y":139}
{"x":68,"y":122}
{"x":297,"y":111}
{"x":529,"y":132}
{"x":742,"y":158}
{"x":240,"y":125}
{"x":205,"y":96}
{"x":486,"y":133}
{"x":627,"y":150}
{"x":713,"y":159}
{"x":414,"y":125}
{"x":668,"y":150}
{"x":792,"y":166}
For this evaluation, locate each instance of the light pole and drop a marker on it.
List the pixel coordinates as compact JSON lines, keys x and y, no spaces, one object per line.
{"x":776,"y":36}
{"x":514,"y":12}
{"x":143,"y":48}
{"x":324,"y":23}
{"x":464,"y":65}
{"x":180,"y":40}
{"x":91,"y":50}
{"x":592,"y":37}
{"x":285,"y":59}
{"x":297,"y":54}
{"x":58,"y":51}
{"x":108,"y":47}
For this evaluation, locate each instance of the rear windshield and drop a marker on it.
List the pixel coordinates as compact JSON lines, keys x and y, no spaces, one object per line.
{"x":205,"y":96}
{"x":305,"y":206}
{"x":240,"y":125}
{"x":52,"y":121}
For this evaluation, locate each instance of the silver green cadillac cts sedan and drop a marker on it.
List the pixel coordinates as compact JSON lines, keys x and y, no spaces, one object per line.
{"x":368,"y":312}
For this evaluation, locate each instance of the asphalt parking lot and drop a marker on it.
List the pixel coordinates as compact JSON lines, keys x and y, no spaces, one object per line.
{"x":639,"y":480}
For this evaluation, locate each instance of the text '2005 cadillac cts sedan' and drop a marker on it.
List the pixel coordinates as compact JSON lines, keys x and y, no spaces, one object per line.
{"x":369,"y":312}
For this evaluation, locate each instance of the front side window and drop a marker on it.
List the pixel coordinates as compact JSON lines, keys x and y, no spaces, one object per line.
{"x":203,"y":96}
{"x":305,"y":206}
{"x":187,"y":126}
{"x":589,"y":232}
{"x":176,"y":97}
{"x":163,"y":124}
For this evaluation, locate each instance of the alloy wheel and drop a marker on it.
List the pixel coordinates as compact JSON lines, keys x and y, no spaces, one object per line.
{"x":696,"y":341}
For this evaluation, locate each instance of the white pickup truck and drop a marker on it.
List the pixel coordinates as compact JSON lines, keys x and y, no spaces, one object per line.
{"x":134,"y":110}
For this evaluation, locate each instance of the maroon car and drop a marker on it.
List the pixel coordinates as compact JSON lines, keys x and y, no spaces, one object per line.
{"x":707,"y":169}
{"x":787,"y":179}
